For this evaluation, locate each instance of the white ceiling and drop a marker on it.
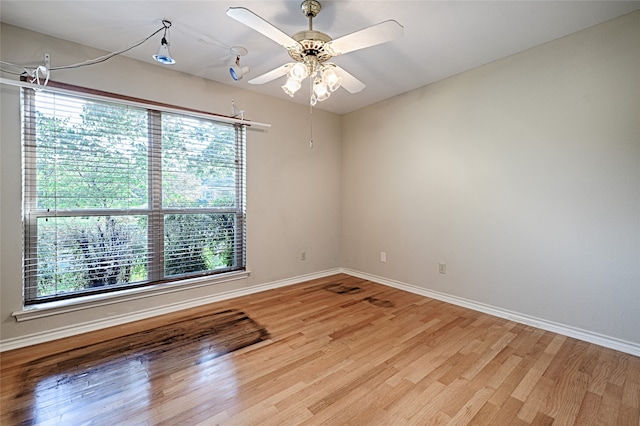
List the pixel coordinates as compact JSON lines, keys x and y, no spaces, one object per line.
{"x":441,"y":38}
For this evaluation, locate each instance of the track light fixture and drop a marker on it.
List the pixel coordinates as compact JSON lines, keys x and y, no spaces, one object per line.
{"x":236,"y":70}
{"x":164,"y":56}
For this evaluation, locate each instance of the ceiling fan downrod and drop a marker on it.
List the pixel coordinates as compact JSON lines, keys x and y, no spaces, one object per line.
{"x":311,"y":42}
{"x":310,"y":8}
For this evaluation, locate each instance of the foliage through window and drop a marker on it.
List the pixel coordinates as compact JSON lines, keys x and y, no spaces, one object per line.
{"x":116,"y":195}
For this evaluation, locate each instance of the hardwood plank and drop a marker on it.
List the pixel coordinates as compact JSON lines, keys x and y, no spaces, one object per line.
{"x":542,"y":420}
{"x":571,"y":385}
{"x":589,"y":408}
{"x":610,"y":404}
{"x":535,"y":400}
{"x":336,"y":350}
{"x":471,"y":407}
{"x":631,"y":394}
{"x":628,"y":416}
{"x":484,"y":416}
{"x":507,"y":412}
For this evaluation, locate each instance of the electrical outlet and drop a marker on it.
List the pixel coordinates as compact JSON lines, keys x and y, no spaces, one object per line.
{"x":303,"y":255}
{"x":442,"y":268}
{"x":383,"y":257}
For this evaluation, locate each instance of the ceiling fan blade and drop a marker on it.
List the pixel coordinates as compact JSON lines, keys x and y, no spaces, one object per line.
{"x":271,"y":75}
{"x":253,"y":21}
{"x":349,"y":82}
{"x":371,"y":36}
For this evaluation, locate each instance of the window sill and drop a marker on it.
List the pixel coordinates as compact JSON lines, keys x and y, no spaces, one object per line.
{"x":87,"y":302}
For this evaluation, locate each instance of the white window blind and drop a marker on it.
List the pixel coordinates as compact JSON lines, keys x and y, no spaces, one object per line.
{"x":117,"y":196}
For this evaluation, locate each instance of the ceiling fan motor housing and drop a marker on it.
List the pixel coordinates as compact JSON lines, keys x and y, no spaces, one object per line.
{"x":311,"y":43}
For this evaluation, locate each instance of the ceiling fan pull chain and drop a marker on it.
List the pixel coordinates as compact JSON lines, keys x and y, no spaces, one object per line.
{"x":310,"y":117}
{"x":311,"y":126}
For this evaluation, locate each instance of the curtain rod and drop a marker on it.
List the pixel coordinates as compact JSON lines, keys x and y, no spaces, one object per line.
{"x":222,"y":118}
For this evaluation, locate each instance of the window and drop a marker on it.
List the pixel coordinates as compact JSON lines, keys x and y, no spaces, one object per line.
{"x":118,"y":195}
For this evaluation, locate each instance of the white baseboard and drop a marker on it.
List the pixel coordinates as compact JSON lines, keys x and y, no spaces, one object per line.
{"x":68,"y":331}
{"x":565,"y":330}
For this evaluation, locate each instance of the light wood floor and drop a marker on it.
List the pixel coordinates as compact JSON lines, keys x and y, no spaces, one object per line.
{"x":337,"y":350}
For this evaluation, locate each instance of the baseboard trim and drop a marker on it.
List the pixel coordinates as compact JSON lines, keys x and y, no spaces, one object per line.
{"x":565,"y":330}
{"x":68,"y":331}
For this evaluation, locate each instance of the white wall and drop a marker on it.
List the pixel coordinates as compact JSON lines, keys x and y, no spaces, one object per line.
{"x":522,"y":175}
{"x":293,"y":192}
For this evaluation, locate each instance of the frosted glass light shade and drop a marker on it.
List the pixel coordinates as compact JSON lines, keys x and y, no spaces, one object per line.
{"x":291,"y":86}
{"x":298,"y":72}
{"x":320,"y":90}
{"x":331,"y":79}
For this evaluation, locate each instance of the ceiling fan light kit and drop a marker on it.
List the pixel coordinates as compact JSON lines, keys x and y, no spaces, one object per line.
{"x":311,"y":50}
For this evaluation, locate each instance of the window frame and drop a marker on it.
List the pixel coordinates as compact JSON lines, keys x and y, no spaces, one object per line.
{"x":154,"y":211}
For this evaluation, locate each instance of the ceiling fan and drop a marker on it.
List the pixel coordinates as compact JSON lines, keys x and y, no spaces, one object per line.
{"x":311,"y":50}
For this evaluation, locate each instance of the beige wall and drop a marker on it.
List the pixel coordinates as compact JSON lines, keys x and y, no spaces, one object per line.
{"x":293,"y":195}
{"x":522,"y":175}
